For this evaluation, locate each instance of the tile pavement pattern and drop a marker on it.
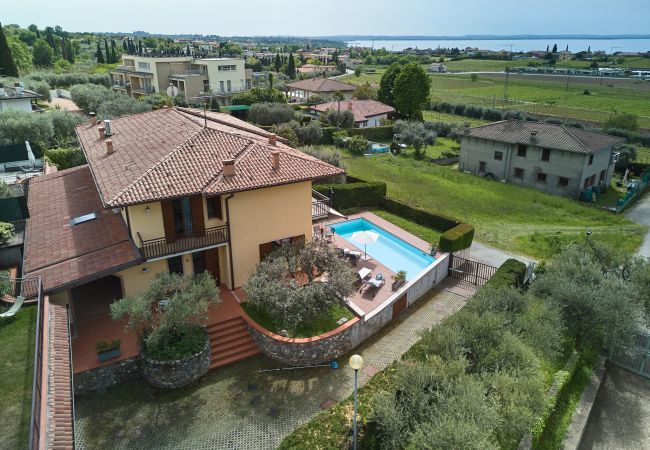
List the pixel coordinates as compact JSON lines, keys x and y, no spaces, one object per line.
{"x":239,"y":408}
{"x":62,"y":253}
{"x":171,"y":152}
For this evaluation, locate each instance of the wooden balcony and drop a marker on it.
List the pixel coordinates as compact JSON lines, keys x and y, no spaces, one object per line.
{"x":182,"y":243}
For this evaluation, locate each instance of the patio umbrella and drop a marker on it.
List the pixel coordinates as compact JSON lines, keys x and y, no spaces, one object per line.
{"x":365,"y":237}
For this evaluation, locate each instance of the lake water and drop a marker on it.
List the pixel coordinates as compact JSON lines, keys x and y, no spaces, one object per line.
{"x":518,"y":45}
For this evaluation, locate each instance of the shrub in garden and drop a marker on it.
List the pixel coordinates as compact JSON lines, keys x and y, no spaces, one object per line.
{"x":475,"y":112}
{"x":624,"y":121}
{"x":270,"y":113}
{"x":458,"y":238}
{"x":289,"y":287}
{"x":173,"y":330}
{"x":357,"y":145}
{"x":342,"y":119}
{"x":339,"y":138}
{"x":350,"y":195}
{"x":492,"y":114}
{"x":459,"y":109}
{"x":6,"y":232}
{"x":65,"y":158}
{"x":310,"y":134}
{"x":286,"y":131}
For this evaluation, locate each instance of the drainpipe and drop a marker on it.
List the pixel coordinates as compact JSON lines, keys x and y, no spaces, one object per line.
{"x":232,"y":269}
{"x":128,"y":222}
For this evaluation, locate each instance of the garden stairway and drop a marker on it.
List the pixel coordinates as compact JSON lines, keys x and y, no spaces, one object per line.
{"x":231,"y":342}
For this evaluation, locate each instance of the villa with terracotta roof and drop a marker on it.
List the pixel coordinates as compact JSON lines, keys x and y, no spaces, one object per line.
{"x":367,"y":113}
{"x":555,"y":159}
{"x":165,"y":191}
{"x":302,"y":90}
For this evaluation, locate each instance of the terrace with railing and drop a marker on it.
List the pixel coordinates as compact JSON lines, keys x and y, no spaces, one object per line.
{"x":162,"y":247}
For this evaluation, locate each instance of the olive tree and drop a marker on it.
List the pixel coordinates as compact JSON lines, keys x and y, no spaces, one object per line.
{"x":270,"y":113}
{"x":296,"y":285}
{"x":169,"y":315}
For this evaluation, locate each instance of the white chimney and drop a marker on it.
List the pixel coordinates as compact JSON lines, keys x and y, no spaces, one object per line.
{"x":273,"y":139}
{"x":109,"y":147}
{"x":275,"y":159}
{"x":101,"y":132}
{"x":107,"y":127}
{"x":228,"y":167}
{"x":93,"y":118}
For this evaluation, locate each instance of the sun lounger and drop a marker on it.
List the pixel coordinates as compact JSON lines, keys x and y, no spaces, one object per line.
{"x":373,"y":283}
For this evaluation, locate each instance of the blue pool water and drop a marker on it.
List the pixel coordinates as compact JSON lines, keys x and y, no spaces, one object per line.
{"x":390,"y":250}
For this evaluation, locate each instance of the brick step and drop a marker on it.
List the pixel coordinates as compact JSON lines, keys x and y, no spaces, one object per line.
{"x":235,"y":334}
{"x":221,"y":330}
{"x":225,"y":323}
{"x":219,"y":347}
{"x":224,"y":361}
{"x":234,"y":349}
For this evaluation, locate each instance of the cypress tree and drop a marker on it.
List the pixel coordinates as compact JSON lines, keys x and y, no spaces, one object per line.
{"x":69,"y":50}
{"x":8,"y":65}
{"x":125,"y":47}
{"x":554,"y":48}
{"x":107,"y":52}
{"x":100,"y":56}
{"x":291,"y":67}
{"x":277,"y":63}
{"x":139,"y":46}
{"x":113,"y":53}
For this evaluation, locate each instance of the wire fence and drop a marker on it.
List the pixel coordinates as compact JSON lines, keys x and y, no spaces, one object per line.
{"x":542,"y":109}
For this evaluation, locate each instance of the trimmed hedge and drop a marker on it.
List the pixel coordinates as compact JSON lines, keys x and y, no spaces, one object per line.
{"x":458,"y":238}
{"x":510,"y":273}
{"x":351,"y":195}
{"x":381,"y":133}
{"x":436,"y":221}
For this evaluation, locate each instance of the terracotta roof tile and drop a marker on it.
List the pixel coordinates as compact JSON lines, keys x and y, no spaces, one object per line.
{"x":547,"y":135}
{"x":321,"y":85}
{"x":168,"y":153}
{"x":361,"y":109}
{"x":62,"y":253}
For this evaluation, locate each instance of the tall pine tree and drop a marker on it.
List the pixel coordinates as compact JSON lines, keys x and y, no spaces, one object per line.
{"x":107,"y":52}
{"x":100,"y":56}
{"x":277,"y":63}
{"x":113,"y":53}
{"x":8,"y":65}
{"x":125,"y":47}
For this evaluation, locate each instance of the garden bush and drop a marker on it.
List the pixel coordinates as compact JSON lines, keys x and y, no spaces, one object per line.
{"x":425,"y":218}
{"x":458,"y":238}
{"x":6,"y":232}
{"x":174,"y":331}
{"x":65,"y":157}
{"x":284,"y":284}
{"x":357,"y":145}
{"x":270,"y":113}
{"x":336,"y":118}
{"x":510,"y":273}
{"x":352,"y":195}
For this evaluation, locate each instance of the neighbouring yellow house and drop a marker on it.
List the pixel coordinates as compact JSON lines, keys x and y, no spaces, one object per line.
{"x":167,"y":190}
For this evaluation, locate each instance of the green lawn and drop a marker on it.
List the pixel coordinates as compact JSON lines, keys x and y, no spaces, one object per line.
{"x":16,"y":373}
{"x":434,"y":116}
{"x":323,"y":325}
{"x":510,"y":217}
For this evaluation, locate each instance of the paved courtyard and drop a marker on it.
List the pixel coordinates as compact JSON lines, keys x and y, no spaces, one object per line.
{"x":620,"y":418}
{"x":238,"y":407}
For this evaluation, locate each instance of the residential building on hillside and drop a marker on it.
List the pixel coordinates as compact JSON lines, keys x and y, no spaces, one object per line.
{"x":437,"y":68}
{"x":367,"y":113}
{"x":17,"y":98}
{"x":163,"y":192}
{"x":221,"y":77}
{"x":555,"y":159}
{"x":315,"y":69}
{"x":302,"y":90}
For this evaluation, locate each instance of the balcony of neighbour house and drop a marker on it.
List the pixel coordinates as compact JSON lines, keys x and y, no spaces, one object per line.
{"x":165,"y":246}
{"x":189,"y":73}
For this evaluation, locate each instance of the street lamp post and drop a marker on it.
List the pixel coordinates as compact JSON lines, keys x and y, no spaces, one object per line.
{"x":356,"y":362}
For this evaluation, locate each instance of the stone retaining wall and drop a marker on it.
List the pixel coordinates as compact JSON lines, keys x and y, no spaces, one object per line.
{"x":304,"y":351}
{"x":106,"y":376}
{"x":177,"y":373}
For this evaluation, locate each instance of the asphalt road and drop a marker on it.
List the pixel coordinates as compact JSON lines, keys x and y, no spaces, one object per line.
{"x":640,"y":213}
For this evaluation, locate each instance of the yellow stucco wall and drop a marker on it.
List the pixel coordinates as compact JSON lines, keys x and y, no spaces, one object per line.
{"x":214,"y":222}
{"x":150,"y":226}
{"x":135,"y":280}
{"x":265,"y":215}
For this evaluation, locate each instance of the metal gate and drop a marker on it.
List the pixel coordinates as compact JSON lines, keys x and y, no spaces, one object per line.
{"x":635,"y":358}
{"x":470,"y":271}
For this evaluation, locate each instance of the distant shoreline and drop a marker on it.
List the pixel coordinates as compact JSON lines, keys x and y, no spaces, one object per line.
{"x":487,"y":37}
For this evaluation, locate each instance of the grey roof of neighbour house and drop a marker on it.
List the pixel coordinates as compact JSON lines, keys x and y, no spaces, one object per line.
{"x":560,"y":137}
{"x":10,"y":93}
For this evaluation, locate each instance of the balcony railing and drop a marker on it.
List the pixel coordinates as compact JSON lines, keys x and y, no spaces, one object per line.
{"x":182,"y":243}
{"x":320,"y":205}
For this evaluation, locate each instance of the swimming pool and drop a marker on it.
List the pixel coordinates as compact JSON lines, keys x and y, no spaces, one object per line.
{"x":390,"y":250}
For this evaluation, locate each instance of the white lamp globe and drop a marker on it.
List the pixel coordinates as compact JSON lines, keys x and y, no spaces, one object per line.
{"x":356,"y":362}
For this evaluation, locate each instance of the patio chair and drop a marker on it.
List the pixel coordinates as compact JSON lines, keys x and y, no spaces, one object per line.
{"x":14,"y":308}
{"x":373,"y":283}
{"x":352,"y":254}
{"x":363,"y":274}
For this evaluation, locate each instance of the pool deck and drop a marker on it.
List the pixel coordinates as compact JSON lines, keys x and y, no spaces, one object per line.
{"x":365,"y":301}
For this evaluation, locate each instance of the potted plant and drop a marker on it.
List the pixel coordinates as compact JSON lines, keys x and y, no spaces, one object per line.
{"x":399,"y":279}
{"x":108,"y":350}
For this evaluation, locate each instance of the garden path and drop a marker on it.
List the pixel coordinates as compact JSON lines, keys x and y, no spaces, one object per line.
{"x":237,"y":407}
{"x":640,"y":213}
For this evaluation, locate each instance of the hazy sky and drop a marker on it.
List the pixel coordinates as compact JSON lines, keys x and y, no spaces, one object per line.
{"x":331,"y":17}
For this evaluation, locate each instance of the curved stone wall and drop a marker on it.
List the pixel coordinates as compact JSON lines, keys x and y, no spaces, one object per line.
{"x":176,"y":373}
{"x":304,"y":351}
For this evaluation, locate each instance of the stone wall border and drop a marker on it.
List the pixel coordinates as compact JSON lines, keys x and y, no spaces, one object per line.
{"x":103,"y":377}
